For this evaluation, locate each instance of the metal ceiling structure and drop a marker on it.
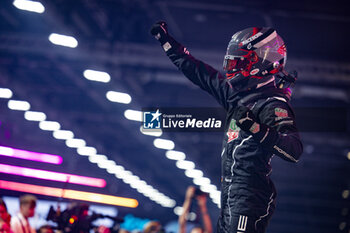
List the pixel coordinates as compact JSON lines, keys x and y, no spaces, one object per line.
{"x":113,"y":37}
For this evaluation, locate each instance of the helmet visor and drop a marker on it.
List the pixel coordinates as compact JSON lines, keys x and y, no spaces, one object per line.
{"x":234,"y":63}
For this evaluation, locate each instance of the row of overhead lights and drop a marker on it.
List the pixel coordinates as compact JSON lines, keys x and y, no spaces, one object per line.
{"x":124,"y":98}
{"x":135,"y":115}
{"x":188,"y":166}
{"x":82,"y":149}
{"x":101,"y":160}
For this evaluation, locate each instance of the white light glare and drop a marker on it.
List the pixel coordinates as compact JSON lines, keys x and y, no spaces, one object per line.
{"x":106,"y":164}
{"x":122,"y":174}
{"x":148,"y":190}
{"x":131,"y":179}
{"x":207,"y":188}
{"x":63,"y":40}
{"x":86,"y":150}
{"x":215,"y":194}
{"x":63,"y":134}
{"x":6,"y":151}
{"x":168,"y":203}
{"x":98,"y":76}
{"x":184,"y":164}
{"x":18,"y":105}
{"x":115,"y":169}
{"x":192,"y":216}
{"x":118,"y":97}
{"x":32,"y":6}
{"x":140,"y":184}
{"x":194,"y":173}
{"x":151,"y":132}
{"x":34,"y":116}
{"x":97,"y":158}
{"x":175,"y":155}
{"x":5,"y":93}
{"x":75,"y":143}
{"x":49,"y":125}
{"x":163,"y":144}
{"x":201,"y":181}
{"x":178,"y":210}
{"x":133,"y":115}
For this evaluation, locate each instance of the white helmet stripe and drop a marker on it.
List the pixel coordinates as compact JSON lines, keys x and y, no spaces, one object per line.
{"x":266,"y":40}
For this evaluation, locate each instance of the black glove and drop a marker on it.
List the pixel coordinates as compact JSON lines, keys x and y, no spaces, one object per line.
{"x":160,"y":31}
{"x":245,"y":118}
{"x":247,"y":121}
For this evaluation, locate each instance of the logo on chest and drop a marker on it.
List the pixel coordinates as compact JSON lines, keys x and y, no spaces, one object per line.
{"x":233,"y":131}
{"x":280,"y":112}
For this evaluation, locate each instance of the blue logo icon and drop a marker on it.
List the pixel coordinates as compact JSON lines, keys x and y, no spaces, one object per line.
{"x":152,"y":120}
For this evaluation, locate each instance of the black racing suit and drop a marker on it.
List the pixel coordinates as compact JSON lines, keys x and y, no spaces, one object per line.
{"x":247,"y":192}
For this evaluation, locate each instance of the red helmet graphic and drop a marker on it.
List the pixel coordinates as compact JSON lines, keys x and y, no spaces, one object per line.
{"x":255,"y":53}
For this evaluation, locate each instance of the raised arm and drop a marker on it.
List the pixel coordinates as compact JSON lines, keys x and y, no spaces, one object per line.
{"x":186,"y":208}
{"x":200,"y":73}
{"x":202,"y":203}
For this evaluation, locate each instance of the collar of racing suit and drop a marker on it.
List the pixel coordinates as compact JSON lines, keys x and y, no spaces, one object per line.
{"x":265,"y":91}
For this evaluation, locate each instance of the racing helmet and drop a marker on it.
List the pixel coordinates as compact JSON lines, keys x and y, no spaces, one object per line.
{"x":254,"y":55}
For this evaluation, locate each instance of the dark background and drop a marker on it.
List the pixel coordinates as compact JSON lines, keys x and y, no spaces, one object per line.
{"x":114,"y":37}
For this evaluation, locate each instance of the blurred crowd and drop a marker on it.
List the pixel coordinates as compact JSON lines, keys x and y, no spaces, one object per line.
{"x":76,"y":218}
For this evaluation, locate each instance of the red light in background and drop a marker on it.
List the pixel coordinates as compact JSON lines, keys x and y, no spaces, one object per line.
{"x":70,"y":194}
{"x":49,"y":175}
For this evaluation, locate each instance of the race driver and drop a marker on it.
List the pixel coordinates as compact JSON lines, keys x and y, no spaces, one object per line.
{"x":259,"y":124}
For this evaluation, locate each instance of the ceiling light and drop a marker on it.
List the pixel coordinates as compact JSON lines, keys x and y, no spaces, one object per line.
{"x":82,"y":149}
{"x":131,"y":179}
{"x":96,"y":158}
{"x":75,"y":143}
{"x":98,"y":76}
{"x":63,"y":40}
{"x":105,"y":164}
{"x":49,"y":125}
{"x":133,"y":115}
{"x":32,"y":6}
{"x":86,"y":150}
{"x":122,"y":174}
{"x":115,"y":169}
{"x":192,"y":216}
{"x":178,"y":210}
{"x":184,"y":164}
{"x":215,"y":194}
{"x":18,"y":105}
{"x":163,"y":144}
{"x":5,"y":93}
{"x":207,"y":188}
{"x":151,"y":132}
{"x":201,"y":181}
{"x":34,"y":116}
{"x":193,"y":173}
{"x":175,"y":155}
{"x":172,"y":203}
{"x":63,"y":134}
{"x":118,"y":97}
